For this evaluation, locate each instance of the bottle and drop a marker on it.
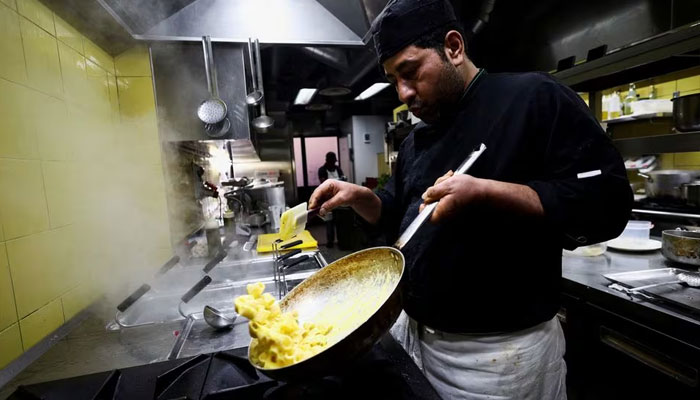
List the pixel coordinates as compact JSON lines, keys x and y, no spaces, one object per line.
{"x":629,"y":99}
{"x":614,"y":105}
{"x":652,"y":92}
{"x":606,"y":107}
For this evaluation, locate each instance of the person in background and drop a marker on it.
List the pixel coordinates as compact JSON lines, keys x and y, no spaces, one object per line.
{"x":330,"y":171}
{"x":481,"y":285}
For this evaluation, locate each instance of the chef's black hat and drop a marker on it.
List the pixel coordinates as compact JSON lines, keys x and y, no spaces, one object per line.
{"x":402,"y":22}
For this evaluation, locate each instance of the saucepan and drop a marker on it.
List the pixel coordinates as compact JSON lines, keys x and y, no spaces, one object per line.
{"x":359,"y":296}
{"x":681,"y":246}
{"x":667,"y":183}
{"x":686,"y":113}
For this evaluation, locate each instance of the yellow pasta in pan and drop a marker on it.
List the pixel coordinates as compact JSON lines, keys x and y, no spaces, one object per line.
{"x":278,"y":338}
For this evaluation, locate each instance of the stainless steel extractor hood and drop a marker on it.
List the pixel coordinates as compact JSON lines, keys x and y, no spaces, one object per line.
{"x":304,"y":22}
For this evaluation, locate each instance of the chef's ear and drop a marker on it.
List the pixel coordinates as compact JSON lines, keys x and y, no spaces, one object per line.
{"x":454,"y":47}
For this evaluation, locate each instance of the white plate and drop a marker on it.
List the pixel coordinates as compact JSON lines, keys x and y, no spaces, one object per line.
{"x":630,"y":244}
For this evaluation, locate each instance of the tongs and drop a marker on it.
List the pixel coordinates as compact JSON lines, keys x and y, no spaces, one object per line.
{"x":428,"y":210}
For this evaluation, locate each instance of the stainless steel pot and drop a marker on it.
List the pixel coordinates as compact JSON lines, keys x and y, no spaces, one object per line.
{"x":366,"y":282}
{"x":691,"y":193}
{"x":681,"y":246}
{"x":667,"y":183}
{"x":686,"y":113}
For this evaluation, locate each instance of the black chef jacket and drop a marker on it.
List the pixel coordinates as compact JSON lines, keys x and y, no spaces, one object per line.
{"x":487,"y":269}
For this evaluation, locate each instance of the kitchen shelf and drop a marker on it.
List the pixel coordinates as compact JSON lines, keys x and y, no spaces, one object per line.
{"x":628,"y":118}
{"x":671,"y":143}
{"x":658,"y":55}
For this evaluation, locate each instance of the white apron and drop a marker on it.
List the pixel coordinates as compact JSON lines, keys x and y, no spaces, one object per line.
{"x":523,"y":365}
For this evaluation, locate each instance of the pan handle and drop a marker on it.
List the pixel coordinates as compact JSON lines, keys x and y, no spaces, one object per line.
{"x":196,"y":289}
{"x":124,"y":305}
{"x":291,"y":244}
{"x":646,"y":176}
{"x":294,"y":261}
{"x":212,"y":263}
{"x":168,"y":265}
{"x":424,"y":215}
{"x":290,"y":254}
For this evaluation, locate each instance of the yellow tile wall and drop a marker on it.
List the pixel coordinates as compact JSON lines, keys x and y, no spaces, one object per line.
{"x":80,"y":172}
{"x":10,"y":345}
{"x":40,"y":323}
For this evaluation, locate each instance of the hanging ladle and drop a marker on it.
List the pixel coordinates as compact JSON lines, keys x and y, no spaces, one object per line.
{"x":211,"y":111}
{"x":253,"y":98}
{"x":263,"y":122}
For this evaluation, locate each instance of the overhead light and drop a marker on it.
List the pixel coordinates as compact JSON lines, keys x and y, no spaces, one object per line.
{"x":304,"y":96}
{"x":372,"y":90}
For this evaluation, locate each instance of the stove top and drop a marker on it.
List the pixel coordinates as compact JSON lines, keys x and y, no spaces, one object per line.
{"x":386,"y":372}
{"x":668,"y":205}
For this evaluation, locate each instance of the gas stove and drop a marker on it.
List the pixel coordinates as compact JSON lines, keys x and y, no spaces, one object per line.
{"x":386,"y":372}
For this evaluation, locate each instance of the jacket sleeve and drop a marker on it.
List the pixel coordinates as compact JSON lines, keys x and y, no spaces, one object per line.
{"x":583,"y":188}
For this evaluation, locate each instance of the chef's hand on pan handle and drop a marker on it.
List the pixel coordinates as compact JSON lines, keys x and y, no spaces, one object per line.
{"x":334,"y":193}
{"x":457,"y":192}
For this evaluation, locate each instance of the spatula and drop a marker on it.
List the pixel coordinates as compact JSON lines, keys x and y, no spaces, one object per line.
{"x":293,"y":221}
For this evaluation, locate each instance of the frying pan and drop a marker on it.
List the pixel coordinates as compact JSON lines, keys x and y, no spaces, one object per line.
{"x":358,"y":295}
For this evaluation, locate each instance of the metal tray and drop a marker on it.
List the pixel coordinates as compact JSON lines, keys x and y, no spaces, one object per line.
{"x":683,"y":296}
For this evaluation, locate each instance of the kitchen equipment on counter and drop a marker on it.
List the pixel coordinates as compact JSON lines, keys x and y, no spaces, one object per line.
{"x":263,"y":121}
{"x":634,"y":245}
{"x":213,"y":110}
{"x":689,"y":278}
{"x":293,"y":221}
{"x":681,"y":246}
{"x":266,"y":241}
{"x":691,"y":193}
{"x":216,"y":319}
{"x":362,"y":299}
{"x":660,"y":284}
{"x":635,"y":238}
{"x":686,"y":112}
{"x":253,"y":98}
{"x":256,"y":219}
{"x":667,"y":183}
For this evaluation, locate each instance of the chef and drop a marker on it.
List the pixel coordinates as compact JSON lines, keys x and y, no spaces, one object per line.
{"x":482,"y":280}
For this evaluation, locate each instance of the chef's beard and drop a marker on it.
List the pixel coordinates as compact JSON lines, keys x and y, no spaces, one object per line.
{"x":449,"y":90}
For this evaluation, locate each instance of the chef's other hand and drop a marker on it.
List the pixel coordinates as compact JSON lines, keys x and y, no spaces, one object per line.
{"x":334,"y":193}
{"x":454,"y":192}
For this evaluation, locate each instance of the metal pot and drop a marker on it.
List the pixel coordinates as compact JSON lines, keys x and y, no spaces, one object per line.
{"x":691,"y":193}
{"x":373,"y":275}
{"x":686,"y":113}
{"x":681,"y":246}
{"x":667,"y":183}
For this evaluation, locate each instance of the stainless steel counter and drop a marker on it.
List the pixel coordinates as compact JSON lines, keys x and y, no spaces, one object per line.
{"x":582,"y":278}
